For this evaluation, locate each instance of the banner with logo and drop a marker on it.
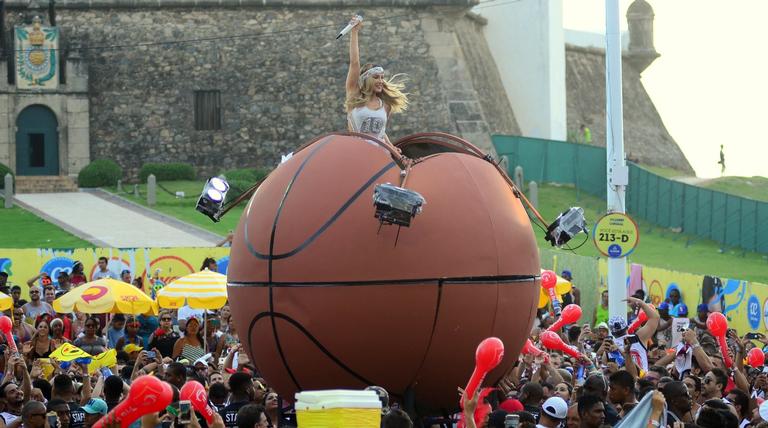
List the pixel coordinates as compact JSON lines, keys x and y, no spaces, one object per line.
{"x":151,"y":264}
{"x":744,"y":303}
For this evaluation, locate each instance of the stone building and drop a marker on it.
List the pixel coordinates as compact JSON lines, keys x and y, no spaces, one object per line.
{"x":232,"y":83}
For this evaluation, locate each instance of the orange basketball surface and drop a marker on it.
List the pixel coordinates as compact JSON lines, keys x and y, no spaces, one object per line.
{"x":325,"y":297}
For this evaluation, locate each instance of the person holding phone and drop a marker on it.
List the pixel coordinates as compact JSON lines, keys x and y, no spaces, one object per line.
{"x":61,"y":410}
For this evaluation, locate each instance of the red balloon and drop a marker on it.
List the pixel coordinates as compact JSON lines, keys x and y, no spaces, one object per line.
{"x":548,"y":279}
{"x":5,"y":327}
{"x":551,"y":340}
{"x":530,"y":348}
{"x":195,"y":393}
{"x":756,"y":357}
{"x":570,"y":315}
{"x":148,"y":394}
{"x":717,"y":324}
{"x":641,"y":319}
{"x":488,"y":355}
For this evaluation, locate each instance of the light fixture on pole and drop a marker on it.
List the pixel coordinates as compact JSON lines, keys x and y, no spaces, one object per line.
{"x":211,"y":201}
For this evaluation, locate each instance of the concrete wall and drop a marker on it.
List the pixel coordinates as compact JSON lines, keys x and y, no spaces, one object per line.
{"x":527,"y":42}
{"x":277,"y":90}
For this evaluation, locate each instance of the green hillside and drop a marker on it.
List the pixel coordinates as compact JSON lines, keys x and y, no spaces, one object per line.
{"x":658,"y":247}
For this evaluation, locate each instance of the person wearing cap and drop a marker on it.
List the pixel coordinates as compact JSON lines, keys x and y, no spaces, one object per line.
{"x":553,"y":413}
{"x":95,"y":409}
{"x":65,"y":284}
{"x":664,"y":329}
{"x":637,"y":341}
{"x":573,"y":296}
{"x":675,"y":300}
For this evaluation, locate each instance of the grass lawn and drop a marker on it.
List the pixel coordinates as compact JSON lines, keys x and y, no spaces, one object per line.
{"x":658,"y":247}
{"x":22,"y":229}
{"x":184,"y":208}
{"x":748,"y":187}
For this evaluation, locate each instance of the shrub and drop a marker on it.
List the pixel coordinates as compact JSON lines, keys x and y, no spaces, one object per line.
{"x":101,"y":172}
{"x":167,"y":171}
{"x":4,"y":170}
{"x":242,"y":179}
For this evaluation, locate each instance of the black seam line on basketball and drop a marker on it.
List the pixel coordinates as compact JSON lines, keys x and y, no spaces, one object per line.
{"x":444,"y":281}
{"x":309,"y":336}
{"x":327,"y":224}
{"x":432,"y":333}
{"x":272,"y":247}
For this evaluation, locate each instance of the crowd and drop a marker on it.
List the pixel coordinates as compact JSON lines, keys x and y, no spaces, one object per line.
{"x":681,"y":371}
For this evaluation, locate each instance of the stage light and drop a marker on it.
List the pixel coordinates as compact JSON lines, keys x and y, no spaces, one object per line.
{"x":211,"y":201}
{"x":396,"y":205}
{"x":566,"y":226}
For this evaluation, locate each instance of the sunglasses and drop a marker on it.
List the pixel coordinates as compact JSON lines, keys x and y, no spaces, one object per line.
{"x":165,"y":319}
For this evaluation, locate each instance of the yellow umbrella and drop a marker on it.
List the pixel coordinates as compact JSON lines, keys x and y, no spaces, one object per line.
{"x":105,"y":296}
{"x":200,"y":290}
{"x":562,"y":286}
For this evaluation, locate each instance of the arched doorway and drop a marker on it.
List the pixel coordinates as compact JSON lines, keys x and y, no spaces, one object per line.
{"x":37,"y":142}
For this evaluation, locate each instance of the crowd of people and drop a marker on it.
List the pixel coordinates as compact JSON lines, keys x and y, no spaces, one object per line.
{"x":683,"y":373}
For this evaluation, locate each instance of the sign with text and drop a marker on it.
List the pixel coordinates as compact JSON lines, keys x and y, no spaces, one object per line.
{"x":615,"y":235}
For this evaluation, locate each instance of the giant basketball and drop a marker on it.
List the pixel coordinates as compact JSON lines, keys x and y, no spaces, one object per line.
{"x":325,"y":296}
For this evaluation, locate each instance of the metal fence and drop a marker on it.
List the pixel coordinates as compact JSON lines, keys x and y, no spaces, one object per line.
{"x":729,"y":220}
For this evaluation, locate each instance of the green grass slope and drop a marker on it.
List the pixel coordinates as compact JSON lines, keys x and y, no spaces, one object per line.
{"x":22,"y":229}
{"x":748,"y":187}
{"x":658,"y":247}
{"x":184,"y":208}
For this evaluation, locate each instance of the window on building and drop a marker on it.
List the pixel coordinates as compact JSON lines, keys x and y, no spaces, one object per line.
{"x":207,"y":110}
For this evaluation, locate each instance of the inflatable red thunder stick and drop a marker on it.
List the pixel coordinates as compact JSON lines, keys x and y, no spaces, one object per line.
{"x":756,"y":357}
{"x":642,"y":317}
{"x":549,"y":282}
{"x":552,"y":341}
{"x":488,"y":355}
{"x":570,"y":315}
{"x":5,"y":326}
{"x":717,"y":325}
{"x":195,"y":393}
{"x":530,"y":348}
{"x":148,"y":394}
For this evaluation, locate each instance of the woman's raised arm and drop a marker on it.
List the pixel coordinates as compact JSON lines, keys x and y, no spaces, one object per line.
{"x":354,"y":60}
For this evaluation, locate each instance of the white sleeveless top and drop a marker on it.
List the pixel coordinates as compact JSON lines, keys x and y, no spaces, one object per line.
{"x":367,"y":121}
{"x":636,"y":350}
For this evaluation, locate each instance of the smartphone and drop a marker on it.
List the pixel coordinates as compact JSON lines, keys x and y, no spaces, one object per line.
{"x":511,"y":421}
{"x":151,"y":354}
{"x":753,"y":336}
{"x":185,"y":412}
{"x":53,"y":419}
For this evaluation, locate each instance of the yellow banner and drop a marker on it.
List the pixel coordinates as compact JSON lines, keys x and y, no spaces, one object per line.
{"x":165,"y":263}
{"x":744,"y":303}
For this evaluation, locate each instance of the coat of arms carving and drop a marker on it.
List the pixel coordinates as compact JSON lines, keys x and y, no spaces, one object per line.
{"x":37,"y":56}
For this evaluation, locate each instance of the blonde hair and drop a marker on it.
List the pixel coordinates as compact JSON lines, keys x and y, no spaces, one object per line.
{"x":392,"y":95}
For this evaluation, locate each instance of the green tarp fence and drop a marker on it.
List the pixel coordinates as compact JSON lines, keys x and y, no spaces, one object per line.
{"x":729,"y":220}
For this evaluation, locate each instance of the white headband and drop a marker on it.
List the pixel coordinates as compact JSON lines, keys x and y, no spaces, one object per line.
{"x":368,"y":73}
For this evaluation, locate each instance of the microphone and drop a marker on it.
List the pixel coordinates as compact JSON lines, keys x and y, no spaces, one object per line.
{"x":358,"y":18}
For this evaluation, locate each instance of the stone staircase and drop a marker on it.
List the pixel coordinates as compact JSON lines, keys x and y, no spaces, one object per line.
{"x":45,"y":184}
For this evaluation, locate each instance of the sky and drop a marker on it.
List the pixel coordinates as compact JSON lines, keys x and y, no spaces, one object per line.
{"x":710,"y":84}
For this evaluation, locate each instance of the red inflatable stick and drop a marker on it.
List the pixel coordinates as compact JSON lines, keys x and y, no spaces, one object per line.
{"x":195,"y":393}
{"x":487,"y":356}
{"x":6,"y":325}
{"x":570,"y":315}
{"x":530,"y":348}
{"x":756,"y":357}
{"x":549,"y":283}
{"x":642,"y":317}
{"x":551,"y":340}
{"x":148,"y":394}
{"x":718,"y":325}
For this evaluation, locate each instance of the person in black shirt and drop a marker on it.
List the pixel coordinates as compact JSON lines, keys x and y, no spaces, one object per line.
{"x":252,"y":416}
{"x":63,"y":389}
{"x":242,"y":393}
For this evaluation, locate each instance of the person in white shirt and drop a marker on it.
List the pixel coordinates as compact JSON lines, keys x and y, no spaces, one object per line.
{"x":103,"y":270}
{"x":553,"y":413}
